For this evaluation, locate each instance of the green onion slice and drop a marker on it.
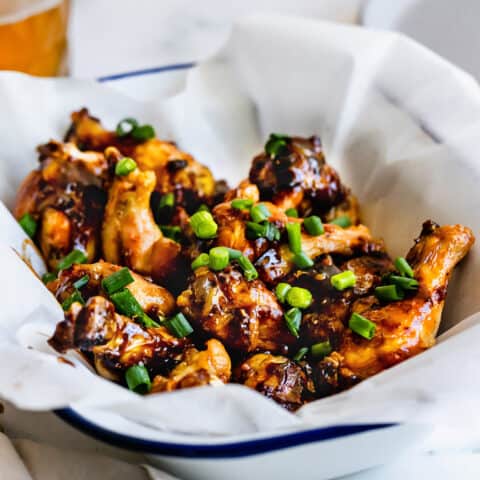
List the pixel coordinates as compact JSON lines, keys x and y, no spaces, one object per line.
{"x":174,"y":232}
{"x":362,"y":326}
{"x":302,"y":260}
{"x":276,"y":145}
{"x":203,"y":208}
{"x":343,"y":280}
{"x":127,"y":304}
{"x":300,"y":354}
{"x":281,"y":291}
{"x":126,"y":126}
{"x":125,"y":166}
{"x":234,"y":254}
{"x":249,"y":271}
{"x":293,"y":319}
{"x":203,"y":225}
{"x":321,"y":349}
{"x":143,"y":133}
{"x":201,"y":261}
{"x":299,"y":297}
{"x":242,"y":203}
{"x":178,"y":326}
{"x":81,"y":282}
{"x":48,"y":277}
{"x":219,"y":258}
{"x":259,"y":213}
{"x":291,"y":212}
{"x":117,"y":281}
{"x":313,"y":225}
{"x":76,"y":296}
{"x":403,"y":267}
{"x":75,"y":256}
{"x":29,"y":225}
{"x":343,"y":221}
{"x":389,"y":293}
{"x":255,"y":230}
{"x":138,"y":379}
{"x":403,"y":282}
{"x":294,"y":237}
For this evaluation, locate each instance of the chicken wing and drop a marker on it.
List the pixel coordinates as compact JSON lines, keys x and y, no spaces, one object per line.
{"x":196,"y":368}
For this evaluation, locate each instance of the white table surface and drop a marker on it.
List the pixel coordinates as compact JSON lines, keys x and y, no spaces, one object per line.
{"x":147,"y":33}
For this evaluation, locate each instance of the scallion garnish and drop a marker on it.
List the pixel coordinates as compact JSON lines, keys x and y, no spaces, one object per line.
{"x":81,"y":282}
{"x":201,"y":261}
{"x":167,"y":200}
{"x":203,"y":208}
{"x":127,"y":304}
{"x":403,"y":282}
{"x":389,"y":293}
{"x":130,"y":126}
{"x":117,"y":281}
{"x":302,"y":260}
{"x":234,"y":254}
{"x":178,"y":326}
{"x":249,"y":271}
{"x":299,"y":297}
{"x":126,"y":126}
{"x":294,"y":237}
{"x":276,"y":145}
{"x":321,"y":349}
{"x":203,"y":225}
{"x":218,"y":258}
{"x":138,"y":379}
{"x":242,"y":203}
{"x":125,"y":166}
{"x":76,"y":296}
{"x":293,"y":319}
{"x":281,"y":291}
{"x":343,"y":221}
{"x":291,"y":212}
{"x":300,"y":354}
{"x":343,"y":280}
{"x":259,"y":213}
{"x":313,"y":225}
{"x":75,"y":256}
{"x":255,"y":230}
{"x":48,"y":277}
{"x":362,"y":326}
{"x":174,"y":232}
{"x":403,"y":267}
{"x":29,"y":225}
{"x":143,"y":133}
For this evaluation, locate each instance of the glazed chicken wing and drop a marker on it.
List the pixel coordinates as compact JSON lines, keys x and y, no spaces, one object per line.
{"x":406,"y":327}
{"x":211,"y":366}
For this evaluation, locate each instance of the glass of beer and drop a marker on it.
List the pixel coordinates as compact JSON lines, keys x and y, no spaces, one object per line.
{"x":33,"y":36}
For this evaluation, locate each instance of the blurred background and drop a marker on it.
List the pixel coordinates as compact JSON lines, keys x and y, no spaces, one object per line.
{"x":98,"y":38}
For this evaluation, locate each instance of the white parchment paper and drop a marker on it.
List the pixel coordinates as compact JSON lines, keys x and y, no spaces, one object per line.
{"x":399,"y":123}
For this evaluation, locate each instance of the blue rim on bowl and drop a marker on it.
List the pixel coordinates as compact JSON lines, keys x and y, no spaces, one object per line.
{"x":225,"y":450}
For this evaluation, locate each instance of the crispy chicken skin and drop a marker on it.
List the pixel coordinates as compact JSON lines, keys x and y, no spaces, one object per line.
{"x":245,"y":316}
{"x":175,"y":171}
{"x":403,"y":328}
{"x":276,"y":377}
{"x":66,"y":196}
{"x":211,"y":366}
{"x":114,"y":341}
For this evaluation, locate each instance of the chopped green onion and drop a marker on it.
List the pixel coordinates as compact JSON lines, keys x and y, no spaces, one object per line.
{"x":75,"y":256}
{"x":203,"y":208}
{"x":403,"y":282}
{"x":293,"y":319}
{"x":259,"y":213}
{"x":273,"y":233}
{"x":242,"y":203}
{"x":249,"y":271}
{"x":29,"y":225}
{"x":117,"y":281}
{"x":201,"y":261}
{"x":362,"y":326}
{"x":403,"y":267}
{"x":321,"y":349}
{"x":138,"y":379}
{"x":294,"y":237}
{"x":291,"y":212}
{"x":143,"y":133}
{"x":343,"y":221}
{"x":203,"y":225}
{"x":76,"y":296}
{"x":343,"y":280}
{"x":255,"y":230}
{"x":300,"y":354}
{"x":389,"y":293}
{"x":173,"y":232}
{"x":276,"y":145}
{"x":299,"y":297}
{"x":302,"y":260}
{"x":178,"y":325}
{"x":127,"y":304}
{"x":48,"y":277}
{"x":125,"y":166}
{"x":81,"y":282}
{"x":234,"y":254}
{"x":314,"y":225}
{"x":126,"y":126}
{"x":167,"y":200}
{"x":218,"y":258}
{"x":281,"y":291}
